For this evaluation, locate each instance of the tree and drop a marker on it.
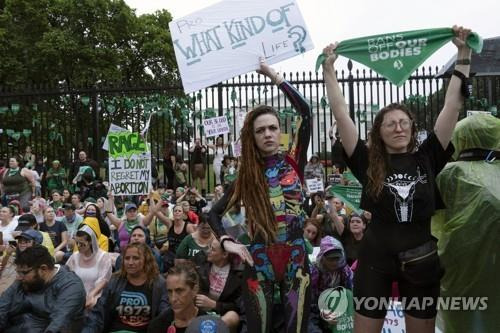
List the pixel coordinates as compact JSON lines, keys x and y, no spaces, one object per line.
{"x":84,"y":42}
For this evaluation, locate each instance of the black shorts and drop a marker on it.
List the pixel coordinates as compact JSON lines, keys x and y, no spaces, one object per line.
{"x":373,"y":289}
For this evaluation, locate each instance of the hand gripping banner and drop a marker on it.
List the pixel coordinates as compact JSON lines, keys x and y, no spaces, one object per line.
{"x":396,"y":55}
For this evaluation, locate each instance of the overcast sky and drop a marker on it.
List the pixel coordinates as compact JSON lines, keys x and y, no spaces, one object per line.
{"x":333,"y":20}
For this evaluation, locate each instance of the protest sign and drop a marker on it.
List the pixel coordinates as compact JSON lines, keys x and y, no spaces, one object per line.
{"x":394,"y":321}
{"x":112,"y":129}
{"x":334,"y":179}
{"x":284,"y":142}
{"x":215,"y":126}
{"x":314,"y":185}
{"x":396,"y":55}
{"x":227,"y":39}
{"x":129,"y":164}
{"x":473,"y":113}
{"x":236,"y":148}
{"x":350,"y":195}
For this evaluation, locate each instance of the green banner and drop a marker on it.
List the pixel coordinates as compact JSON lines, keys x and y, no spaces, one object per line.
{"x":126,"y":144}
{"x":350,"y":195}
{"x":396,"y":55}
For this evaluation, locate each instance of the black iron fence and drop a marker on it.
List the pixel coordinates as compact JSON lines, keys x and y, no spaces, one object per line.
{"x":58,"y":122}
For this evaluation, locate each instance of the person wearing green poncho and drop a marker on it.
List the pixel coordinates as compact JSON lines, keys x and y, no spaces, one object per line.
{"x":56,"y":177}
{"x":400,"y":191}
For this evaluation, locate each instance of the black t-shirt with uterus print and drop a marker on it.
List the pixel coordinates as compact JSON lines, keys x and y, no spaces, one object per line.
{"x":402,"y":213}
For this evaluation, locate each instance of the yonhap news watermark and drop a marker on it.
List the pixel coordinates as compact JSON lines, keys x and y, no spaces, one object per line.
{"x":448,"y":303}
{"x":335,"y":302}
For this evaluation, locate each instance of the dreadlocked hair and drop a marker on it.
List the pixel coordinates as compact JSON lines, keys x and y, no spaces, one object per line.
{"x":251,"y":187}
{"x":377,"y":153}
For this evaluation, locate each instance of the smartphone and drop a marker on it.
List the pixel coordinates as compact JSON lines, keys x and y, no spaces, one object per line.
{"x":13,"y":243}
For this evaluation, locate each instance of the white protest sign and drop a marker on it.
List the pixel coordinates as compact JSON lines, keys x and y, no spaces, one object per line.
{"x":334,"y":179}
{"x":129,"y":164}
{"x":112,"y":129}
{"x":224,"y":40}
{"x":473,"y":113}
{"x":394,"y":321}
{"x":314,"y":185}
{"x":215,"y":126}
{"x":236,"y":148}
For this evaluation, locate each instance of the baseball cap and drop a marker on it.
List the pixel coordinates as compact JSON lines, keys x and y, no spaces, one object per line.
{"x":33,"y":235}
{"x":69,"y":206}
{"x":333,"y":254}
{"x":130,"y":206}
{"x":25,"y":222}
{"x":207,"y":324}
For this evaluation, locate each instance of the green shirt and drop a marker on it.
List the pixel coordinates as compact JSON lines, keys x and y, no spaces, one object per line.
{"x":189,"y":249}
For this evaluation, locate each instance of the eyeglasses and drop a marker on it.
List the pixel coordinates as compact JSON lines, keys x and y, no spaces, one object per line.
{"x":403,"y":123}
{"x":23,"y":273}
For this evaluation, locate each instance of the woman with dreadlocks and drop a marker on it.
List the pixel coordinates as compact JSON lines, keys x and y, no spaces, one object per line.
{"x":269,"y":185}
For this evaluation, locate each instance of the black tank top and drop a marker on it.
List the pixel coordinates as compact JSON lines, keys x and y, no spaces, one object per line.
{"x":175,"y":239}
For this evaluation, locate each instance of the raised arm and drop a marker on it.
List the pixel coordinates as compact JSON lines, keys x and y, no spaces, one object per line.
{"x":345,"y":125}
{"x":447,"y":119}
{"x":216,"y":212}
{"x":301,"y":141}
{"x":108,"y":206}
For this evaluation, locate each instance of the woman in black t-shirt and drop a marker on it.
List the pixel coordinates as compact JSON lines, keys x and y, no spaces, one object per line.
{"x":133,"y":297}
{"x":352,"y":237}
{"x":399,"y":190}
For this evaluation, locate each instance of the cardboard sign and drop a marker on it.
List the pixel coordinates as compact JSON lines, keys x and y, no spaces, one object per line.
{"x":215,"y":126}
{"x":314,"y":185}
{"x":129,"y":164}
{"x":224,"y":40}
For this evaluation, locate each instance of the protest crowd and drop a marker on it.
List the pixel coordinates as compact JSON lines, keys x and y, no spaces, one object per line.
{"x":78,"y":258}
{"x":70,"y":222}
